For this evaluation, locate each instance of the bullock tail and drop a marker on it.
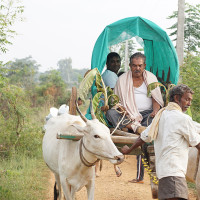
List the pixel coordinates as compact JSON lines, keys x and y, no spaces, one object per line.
{"x":56,"y":192}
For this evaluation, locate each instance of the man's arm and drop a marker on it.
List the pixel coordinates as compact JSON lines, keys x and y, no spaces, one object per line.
{"x":156,"y":107}
{"x":126,"y":150}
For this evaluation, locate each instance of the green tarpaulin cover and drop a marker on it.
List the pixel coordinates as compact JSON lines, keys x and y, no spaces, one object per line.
{"x":158,"y":48}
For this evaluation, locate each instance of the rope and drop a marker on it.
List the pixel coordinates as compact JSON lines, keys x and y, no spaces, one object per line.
{"x":118,"y":123}
{"x":96,"y":153}
{"x":83,"y":159}
{"x":123,"y":111}
{"x":148,"y":120}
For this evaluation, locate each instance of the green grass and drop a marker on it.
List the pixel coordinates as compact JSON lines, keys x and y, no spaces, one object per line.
{"x":23,"y":178}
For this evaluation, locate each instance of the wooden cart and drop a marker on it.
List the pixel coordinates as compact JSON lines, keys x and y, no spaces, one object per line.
{"x":161,"y":59}
{"x":120,"y":138}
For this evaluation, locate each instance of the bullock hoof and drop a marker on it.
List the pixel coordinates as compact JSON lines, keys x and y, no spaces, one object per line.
{"x":97,"y":174}
{"x":118,"y":171}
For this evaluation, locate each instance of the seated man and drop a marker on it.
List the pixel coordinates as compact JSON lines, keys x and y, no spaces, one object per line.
{"x":113,"y":64}
{"x":131,"y":88}
{"x":110,"y":78}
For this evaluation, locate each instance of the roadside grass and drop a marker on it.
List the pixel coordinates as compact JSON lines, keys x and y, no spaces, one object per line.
{"x":23,"y":173}
{"x":23,"y":178}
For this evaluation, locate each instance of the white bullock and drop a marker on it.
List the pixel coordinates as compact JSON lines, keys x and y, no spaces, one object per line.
{"x":72,"y":162}
{"x":193,"y":169}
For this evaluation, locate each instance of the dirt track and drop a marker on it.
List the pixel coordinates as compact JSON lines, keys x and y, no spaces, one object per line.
{"x":110,"y":187}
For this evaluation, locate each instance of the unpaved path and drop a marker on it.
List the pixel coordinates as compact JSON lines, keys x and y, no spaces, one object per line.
{"x":110,"y":187}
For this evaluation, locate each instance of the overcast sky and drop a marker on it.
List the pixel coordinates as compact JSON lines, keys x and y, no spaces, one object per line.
{"x":58,"y":29}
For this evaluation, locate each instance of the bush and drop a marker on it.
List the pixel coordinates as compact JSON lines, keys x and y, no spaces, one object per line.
{"x":190,"y":76}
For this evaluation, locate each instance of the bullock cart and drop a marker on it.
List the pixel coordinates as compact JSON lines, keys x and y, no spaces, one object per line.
{"x":120,"y":138}
{"x":161,"y":60}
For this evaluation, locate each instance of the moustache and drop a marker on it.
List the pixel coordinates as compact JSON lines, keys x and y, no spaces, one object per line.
{"x":137,"y":71}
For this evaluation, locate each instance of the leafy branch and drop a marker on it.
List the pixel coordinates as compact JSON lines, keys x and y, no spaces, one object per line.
{"x":103,"y":100}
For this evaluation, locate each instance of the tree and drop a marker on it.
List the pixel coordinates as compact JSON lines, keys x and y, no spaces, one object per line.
{"x":22,"y":72}
{"x":191,"y":29}
{"x":70,"y":76}
{"x":65,"y":68}
{"x":121,"y":49}
{"x":10,"y":12}
{"x":180,"y":31}
{"x":52,"y":88}
{"x":190,"y":76}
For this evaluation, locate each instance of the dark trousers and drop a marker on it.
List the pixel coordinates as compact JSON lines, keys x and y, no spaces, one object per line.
{"x":114,"y":117}
{"x":140,"y":167}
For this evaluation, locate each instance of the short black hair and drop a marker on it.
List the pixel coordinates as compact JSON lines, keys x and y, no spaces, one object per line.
{"x":138,"y":55}
{"x":111,"y":55}
{"x":179,"y":90}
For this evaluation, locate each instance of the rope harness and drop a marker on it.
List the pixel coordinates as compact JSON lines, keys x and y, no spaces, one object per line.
{"x":83,"y":159}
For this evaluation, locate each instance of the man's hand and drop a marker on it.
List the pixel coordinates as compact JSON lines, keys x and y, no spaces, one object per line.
{"x":122,"y":109}
{"x":153,"y":113}
{"x":125,"y":149}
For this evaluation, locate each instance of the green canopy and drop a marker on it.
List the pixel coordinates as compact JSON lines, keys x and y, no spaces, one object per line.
{"x":161,"y":57}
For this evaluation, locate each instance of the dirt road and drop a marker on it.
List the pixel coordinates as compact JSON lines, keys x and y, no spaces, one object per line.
{"x":110,"y":187}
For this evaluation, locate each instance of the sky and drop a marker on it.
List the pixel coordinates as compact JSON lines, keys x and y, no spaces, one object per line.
{"x":57,"y":29}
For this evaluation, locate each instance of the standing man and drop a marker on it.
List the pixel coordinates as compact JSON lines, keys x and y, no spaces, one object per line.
{"x":173,"y":132}
{"x":113,"y":64}
{"x":131,"y":88}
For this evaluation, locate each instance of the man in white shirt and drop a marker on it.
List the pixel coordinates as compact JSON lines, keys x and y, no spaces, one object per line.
{"x":173,"y":132}
{"x":113,"y":64}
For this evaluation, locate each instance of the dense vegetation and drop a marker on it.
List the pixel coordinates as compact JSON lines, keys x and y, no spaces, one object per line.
{"x":26,"y":95}
{"x":190,"y":70}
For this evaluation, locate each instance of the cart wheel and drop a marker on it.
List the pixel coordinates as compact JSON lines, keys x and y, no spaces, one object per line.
{"x":72,"y":102}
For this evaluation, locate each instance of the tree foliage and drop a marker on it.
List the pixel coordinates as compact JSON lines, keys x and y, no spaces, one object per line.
{"x":22,"y":72}
{"x":10,"y":12}
{"x":52,"y":88}
{"x":69,"y":75}
{"x":191,"y":29}
{"x":65,"y":68}
{"x":190,"y":76}
{"x":120,"y":48}
{"x":13,"y":112}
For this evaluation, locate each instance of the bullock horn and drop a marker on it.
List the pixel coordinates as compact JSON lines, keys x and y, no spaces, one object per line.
{"x":92,"y":110}
{"x":79,"y":112}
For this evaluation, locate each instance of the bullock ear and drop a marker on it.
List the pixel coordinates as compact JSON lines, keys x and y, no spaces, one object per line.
{"x":77,"y":129}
